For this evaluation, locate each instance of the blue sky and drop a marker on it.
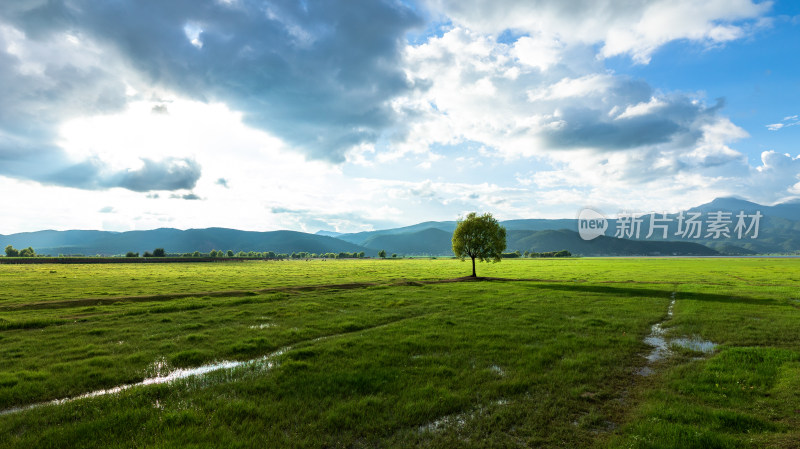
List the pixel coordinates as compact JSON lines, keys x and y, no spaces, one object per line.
{"x":359,"y":115}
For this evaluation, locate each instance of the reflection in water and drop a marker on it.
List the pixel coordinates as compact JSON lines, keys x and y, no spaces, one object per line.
{"x":695,"y":344}
{"x":657,"y":339}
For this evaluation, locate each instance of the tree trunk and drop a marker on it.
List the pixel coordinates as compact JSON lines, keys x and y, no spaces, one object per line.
{"x":473,"y":267}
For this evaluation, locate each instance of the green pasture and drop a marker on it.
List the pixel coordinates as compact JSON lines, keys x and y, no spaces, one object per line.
{"x":402,"y":353}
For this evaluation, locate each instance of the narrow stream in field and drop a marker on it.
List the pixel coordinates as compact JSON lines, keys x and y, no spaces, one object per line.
{"x":661,"y":346}
{"x":262,"y":363}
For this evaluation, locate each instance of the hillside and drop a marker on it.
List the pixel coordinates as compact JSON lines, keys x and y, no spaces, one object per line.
{"x":176,"y":241}
{"x":555,"y":240}
{"x":779,"y":232}
{"x":431,"y":241}
{"x":437,"y":242}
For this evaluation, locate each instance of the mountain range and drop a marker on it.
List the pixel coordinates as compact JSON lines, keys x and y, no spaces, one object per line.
{"x":779,"y":232}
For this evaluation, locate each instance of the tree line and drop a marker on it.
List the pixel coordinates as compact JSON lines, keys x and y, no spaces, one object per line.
{"x":160,"y":252}
{"x":515,"y":254}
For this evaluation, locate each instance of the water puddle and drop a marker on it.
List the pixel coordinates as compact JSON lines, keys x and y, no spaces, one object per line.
{"x":695,"y":344}
{"x":661,"y":346}
{"x":497,"y":370}
{"x":657,"y":338}
{"x":262,"y":363}
{"x":459,"y":420}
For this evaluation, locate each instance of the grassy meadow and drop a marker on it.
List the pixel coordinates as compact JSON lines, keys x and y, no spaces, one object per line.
{"x":384,"y":353}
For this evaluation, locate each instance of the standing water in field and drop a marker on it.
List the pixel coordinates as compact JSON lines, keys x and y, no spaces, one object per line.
{"x":657,"y":339}
{"x":262,"y":363}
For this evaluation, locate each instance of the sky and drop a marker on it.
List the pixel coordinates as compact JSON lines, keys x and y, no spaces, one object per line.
{"x":353,"y":115}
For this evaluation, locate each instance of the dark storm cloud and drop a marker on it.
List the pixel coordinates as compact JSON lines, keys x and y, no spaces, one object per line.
{"x":606,"y":126}
{"x":318,"y":73}
{"x":92,"y":174}
{"x":36,"y":100}
{"x":590,"y":128}
{"x":50,"y":165}
{"x":169,"y":174}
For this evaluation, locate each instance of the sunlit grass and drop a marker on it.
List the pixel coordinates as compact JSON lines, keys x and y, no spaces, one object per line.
{"x":549,"y":361}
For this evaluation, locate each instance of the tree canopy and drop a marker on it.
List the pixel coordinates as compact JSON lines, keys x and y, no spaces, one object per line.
{"x":479,"y":237}
{"x":25,"y":252}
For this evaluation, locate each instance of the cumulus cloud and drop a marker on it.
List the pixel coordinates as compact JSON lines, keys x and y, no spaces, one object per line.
{"x":777,"y":178}
{"x":580,"y":130}
{"x":25,"y":159}
{"x":48,"y":76}
{"x":478,"y":91}
{"x":636,"y":29}
{"x":169,"y":174}
{"x":317,"y":74}
{"x":514,"y":88}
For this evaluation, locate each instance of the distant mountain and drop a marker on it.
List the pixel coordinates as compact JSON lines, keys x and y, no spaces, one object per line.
{"x":360,"y":237}
{"x":535,"y":224}
{"x":175,"y":241}
{"x":556,"y":240}
{"x":538,"y":224}
{"x":328,"y":233}
{"x":789,"y":210}
{"x":729,"y":204}
{"x":431,"y":241}
{"x":436,"y":242}
{"x":779,"y":232}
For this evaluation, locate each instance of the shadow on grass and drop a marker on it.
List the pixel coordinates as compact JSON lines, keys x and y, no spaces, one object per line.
{"x":656,"y":293}
{"x":563,"y":285}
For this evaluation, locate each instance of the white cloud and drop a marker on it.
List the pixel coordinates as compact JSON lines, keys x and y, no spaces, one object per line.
{"x":636,"y":29}
{"x":777,"y":178}
{"x":306,"y":119}
{"x":640,"y":109}
{"x":535,"y":112}
{"x":573,"y":88}
{"x":539,"y":52}
{"x":792,"y":120}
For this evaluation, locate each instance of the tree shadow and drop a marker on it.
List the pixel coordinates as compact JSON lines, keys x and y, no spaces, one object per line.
{"x":657,"y":293}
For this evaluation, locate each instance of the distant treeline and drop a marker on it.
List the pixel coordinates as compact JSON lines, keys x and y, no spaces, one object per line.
{"x":28,"y":255}
{"x":159,"y":252}
{"x":13,"y":252}
{"x":515,"y":254}
{"x":98,"y":259}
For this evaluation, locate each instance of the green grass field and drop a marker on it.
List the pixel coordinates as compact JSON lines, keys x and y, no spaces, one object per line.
{"x":378,"y":353}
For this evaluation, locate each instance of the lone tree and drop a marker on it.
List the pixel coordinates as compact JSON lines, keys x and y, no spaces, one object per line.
{"x":479,"y":237}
